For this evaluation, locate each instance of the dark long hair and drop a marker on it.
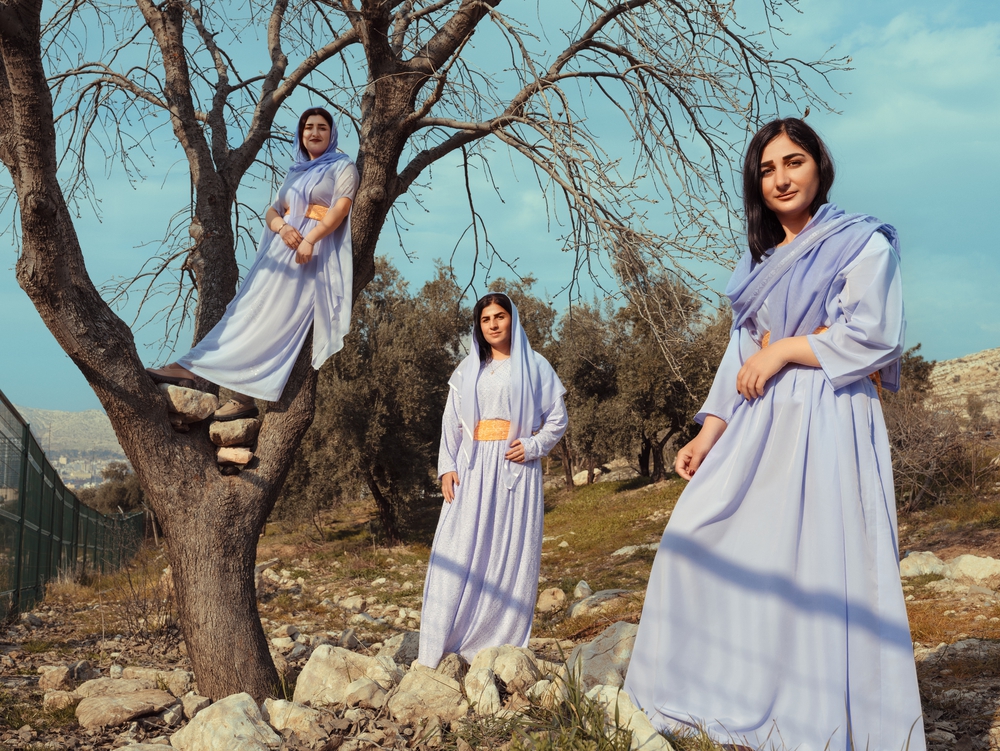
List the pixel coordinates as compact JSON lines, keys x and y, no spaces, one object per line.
{"x":302,"y":125}
{"x":493,"y":298}
{"x":764,"y":231}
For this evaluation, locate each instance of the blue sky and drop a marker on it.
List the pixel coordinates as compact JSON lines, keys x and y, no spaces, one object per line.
{"x":916,"y":142}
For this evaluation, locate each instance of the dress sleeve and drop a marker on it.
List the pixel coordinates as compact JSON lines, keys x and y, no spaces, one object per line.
{"x":451,"y":435}
{"x":867,"y":312}
{"x":554,"y":424}
{"x":279,"y":204}
{"x":723,"y":398}
{"x":347,"y":183}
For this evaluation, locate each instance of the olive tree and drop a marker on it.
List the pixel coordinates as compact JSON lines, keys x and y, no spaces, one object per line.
{"x":676,"y":81}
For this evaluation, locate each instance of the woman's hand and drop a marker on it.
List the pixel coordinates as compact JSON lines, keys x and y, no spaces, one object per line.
{"x":304,"y":253}
{"x":693,"y":454}
{"x":516,"y":453}
{"x":448,"y":482}
{"x":759,"y":368}
{"x":291,"y":236}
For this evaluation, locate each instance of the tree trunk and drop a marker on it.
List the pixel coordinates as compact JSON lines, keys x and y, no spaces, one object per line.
{"x":386,"y":514}
{"x":591,"y":465}
{"x":644,"y":453}
{"x":659,"y":467}
{"x":567,"y":461}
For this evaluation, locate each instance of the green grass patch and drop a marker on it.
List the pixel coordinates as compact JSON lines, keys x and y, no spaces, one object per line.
{"x":923,"y":579}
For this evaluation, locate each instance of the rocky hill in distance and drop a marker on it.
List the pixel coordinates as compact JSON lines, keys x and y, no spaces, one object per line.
{"x":73,"y":434}
{"x":976,"y":375}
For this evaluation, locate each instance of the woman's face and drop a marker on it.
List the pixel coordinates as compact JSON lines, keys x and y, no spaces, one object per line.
{"x":495,"y":324}
{"x":789,"y":179}
{"x":316,"y":136}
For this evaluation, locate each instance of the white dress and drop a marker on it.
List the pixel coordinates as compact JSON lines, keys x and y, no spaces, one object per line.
{"x":482,"y":577}
{"x":774,"y":614}
{"x":253,"y":348}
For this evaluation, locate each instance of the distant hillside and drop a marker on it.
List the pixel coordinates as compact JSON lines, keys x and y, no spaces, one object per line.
{"x":73,"y":433}
{"x":954,"y":381}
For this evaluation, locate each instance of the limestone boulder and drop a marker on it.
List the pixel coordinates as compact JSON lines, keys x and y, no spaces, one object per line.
{"x":365,"y":693}
{"x":330,"y":670}
{"x":178,"y":682}
{"x":454,"y":666}
{"x":402,"y":648}
{"x":604,"y":661}
{"x":973,"y":568}
{"x":231,"y":723}
{"x":919,"y":564}
{"x":304,"y":724}
{"x":55,"y":678}
{"x":482,"y":692}
{"x":550,"y":600}
{"x":485,"y":658}
{"x":192,"y":704}
{"x":517,"y":668}
{"x":618,"y":707}
{"x":113,"y":686}
{"x":424,"y":694}
{"x":355,"y":604}
{"x":234,"y":432}
{"x":582,"y":590}
{"x":598,"y":602}
{"x":192,"y":405}
{"x":53,"y":701}
{"x":109,"y":710}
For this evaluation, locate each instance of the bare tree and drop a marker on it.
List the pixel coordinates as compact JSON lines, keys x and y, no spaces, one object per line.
{"x":678,"y":74}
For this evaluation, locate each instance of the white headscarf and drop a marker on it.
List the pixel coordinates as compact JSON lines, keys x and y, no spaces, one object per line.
{"x":534,"y":390}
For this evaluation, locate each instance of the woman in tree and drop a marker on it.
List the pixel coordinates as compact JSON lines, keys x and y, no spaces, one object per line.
{"x":302,"y":277}
{"x":505,"y":411}
{"x":774,"y":613}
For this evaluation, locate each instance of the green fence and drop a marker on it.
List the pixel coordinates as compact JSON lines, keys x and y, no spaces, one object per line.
{"x":44,"y":529}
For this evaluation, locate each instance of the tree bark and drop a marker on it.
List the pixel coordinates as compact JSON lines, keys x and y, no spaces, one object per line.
{"x":645,"y":451}
{"x":567,"y":461}
{"x":386,"y":514}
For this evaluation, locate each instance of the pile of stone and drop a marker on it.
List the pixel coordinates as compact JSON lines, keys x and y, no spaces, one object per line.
{"x":352,"y":700}
{"x":585,"y":601}
{"x":235,"y":439}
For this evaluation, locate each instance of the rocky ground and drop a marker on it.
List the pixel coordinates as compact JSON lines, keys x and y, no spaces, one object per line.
{"x":100,"y":665}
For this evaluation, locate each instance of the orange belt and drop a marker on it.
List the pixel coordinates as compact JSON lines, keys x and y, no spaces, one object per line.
{"x":876,"y":376}
{"x":313,"y":211}
{"x":491,"y":430}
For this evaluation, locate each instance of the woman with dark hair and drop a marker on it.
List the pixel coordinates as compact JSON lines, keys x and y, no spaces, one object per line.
{"x":301,"y":278}
{"x":774,"y":613}
{"x":505,"y":411}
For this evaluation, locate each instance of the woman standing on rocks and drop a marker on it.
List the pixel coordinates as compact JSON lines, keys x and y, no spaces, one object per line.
{"x":302,"y":277}
{"x":505,"y":411}
{"x":774,"y":613}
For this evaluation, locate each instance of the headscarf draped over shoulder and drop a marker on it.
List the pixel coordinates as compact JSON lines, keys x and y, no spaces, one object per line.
{"x":797,"y":277}
{"x":534,"y":390}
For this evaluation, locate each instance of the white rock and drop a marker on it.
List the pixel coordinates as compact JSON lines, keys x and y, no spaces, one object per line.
{"x":364,"y":692}
{"x":481,"y":688}
{"x":378,"y":582}
{"x":517,"y":668}
{"x":178,"y":682}
{"x":617,"y":704}
{"x":108,"y":710}
{"x":191,"y":404}
{"x":56,"y":678}
{"x":112,"y":686}
{"x":234,"y":432}
{"x":550,"y":600}
{"x":605,"y":660}
{"x":173,"y":716}
{"x":233,"y":455}
{"x":918,"y":564}
{"x":286,"y":630}
{"x":354,"y":604}
{"x":53,"y":701}
{"x":424,"y":694}
{"x":330,"y":670}
{"x":974,"y":568}
{"x":402,"y":648}
{"x":282,"y":642}
{"x":564,"y":544}
{"x":632,"y":549}
{"x":582,"y":590}
{"x":193,"y":704}
{"x":598,"y":602}
{"x":305,"y":722}
{"x":231,"y":723}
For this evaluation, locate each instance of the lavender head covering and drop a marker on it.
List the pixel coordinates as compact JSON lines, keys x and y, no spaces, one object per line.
{"x":534,"y":390}
{"x":798,"y":276}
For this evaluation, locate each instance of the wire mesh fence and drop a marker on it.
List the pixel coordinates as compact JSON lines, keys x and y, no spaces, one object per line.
{"x":44,"y":529}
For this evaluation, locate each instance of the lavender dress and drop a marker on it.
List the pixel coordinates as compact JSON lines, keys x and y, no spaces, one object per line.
{"x":482,"y":578}
{"x":253,"y":348}
{"x":774,"y":615}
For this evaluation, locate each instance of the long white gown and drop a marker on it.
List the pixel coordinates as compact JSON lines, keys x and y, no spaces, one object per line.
{"x":254,"y":346}
{"x":482,"y":577}
{"x":774,"y":615}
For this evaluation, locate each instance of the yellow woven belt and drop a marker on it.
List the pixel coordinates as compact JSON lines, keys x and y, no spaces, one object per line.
{"x":876,"y":376}
{"x":491,"y":430}
{"x":313,"y":211}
